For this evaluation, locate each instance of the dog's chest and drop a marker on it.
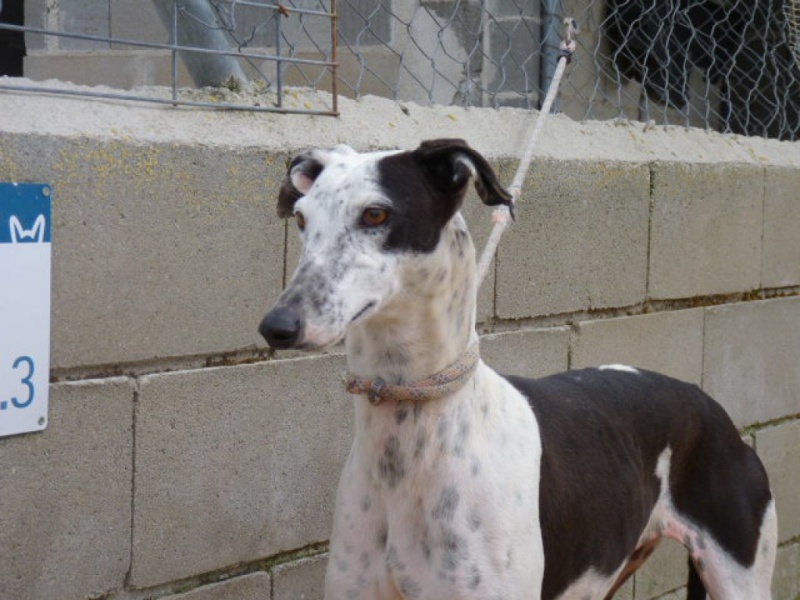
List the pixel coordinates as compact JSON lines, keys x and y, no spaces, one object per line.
{"x":442,"y":499}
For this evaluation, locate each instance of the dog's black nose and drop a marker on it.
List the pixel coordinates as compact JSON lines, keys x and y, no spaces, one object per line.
{"x":281,"y":328}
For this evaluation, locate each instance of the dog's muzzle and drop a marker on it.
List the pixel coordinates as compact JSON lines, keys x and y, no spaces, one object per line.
{"x":282,"y":328}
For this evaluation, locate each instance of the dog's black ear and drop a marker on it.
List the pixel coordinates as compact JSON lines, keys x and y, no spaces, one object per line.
{"x":449,"y":163}
{"x":300,"y":175}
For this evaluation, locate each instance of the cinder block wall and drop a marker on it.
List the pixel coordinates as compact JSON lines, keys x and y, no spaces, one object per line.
{"x":183,"y":460}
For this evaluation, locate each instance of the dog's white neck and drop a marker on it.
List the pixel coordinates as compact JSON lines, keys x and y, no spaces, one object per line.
{"x":429,"y":323}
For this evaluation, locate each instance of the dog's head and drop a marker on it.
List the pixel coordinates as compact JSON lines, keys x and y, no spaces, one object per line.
{"x":361,"y":217}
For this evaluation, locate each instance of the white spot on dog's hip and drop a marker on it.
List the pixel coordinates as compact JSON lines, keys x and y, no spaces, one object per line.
{"x":619,"y":367}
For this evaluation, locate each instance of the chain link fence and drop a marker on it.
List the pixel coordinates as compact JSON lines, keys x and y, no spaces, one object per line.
{"x":730,"y":66}
{"x":725,"y":65}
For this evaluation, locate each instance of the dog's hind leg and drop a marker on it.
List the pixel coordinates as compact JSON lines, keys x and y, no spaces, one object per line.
{"x":695,"y":590}
{"x":713,"y":571}
{"x":720,"y":507}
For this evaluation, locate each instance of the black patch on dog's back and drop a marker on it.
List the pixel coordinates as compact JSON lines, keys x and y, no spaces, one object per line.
{"x":602,"y":432}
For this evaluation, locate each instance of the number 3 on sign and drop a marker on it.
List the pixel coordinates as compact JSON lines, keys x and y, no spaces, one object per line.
{"x":26,"y":381}
{"x":25,"y":240}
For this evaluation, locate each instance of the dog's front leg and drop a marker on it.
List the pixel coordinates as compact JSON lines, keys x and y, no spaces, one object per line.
{"x":356,"y":569}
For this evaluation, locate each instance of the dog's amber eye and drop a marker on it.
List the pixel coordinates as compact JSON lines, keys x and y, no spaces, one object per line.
{"x":374,"y":216}
{"x":301,"y":220}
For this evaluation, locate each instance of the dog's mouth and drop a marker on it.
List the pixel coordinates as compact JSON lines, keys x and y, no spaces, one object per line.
{"x":317,"y":338}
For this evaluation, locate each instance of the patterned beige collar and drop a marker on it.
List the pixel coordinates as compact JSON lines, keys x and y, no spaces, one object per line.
{"x":439,"y":385}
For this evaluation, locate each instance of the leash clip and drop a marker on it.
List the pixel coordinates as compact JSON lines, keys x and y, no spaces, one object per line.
{"x":566,"y":48}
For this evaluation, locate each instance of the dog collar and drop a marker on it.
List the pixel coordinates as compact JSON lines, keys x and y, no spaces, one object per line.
{"x":441,"y":384}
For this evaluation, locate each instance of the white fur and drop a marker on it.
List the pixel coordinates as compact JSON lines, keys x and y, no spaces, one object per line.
{"x":460,"y":523}
{"x":618,"y":367}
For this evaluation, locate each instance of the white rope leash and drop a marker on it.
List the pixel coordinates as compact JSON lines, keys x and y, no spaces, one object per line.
{"x":502,"y":215}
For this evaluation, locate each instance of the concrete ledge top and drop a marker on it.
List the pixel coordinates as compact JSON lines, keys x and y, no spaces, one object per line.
{"x":371,"y":123}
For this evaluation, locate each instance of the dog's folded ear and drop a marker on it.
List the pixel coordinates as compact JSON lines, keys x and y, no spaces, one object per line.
{"x":300,"y":175}
{"x":449,"y":163}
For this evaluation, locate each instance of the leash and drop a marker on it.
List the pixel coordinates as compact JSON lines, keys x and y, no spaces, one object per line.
{"x":502,"y":216}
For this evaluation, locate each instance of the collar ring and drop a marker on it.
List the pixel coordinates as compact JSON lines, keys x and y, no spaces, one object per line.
{"x":375,"y":393}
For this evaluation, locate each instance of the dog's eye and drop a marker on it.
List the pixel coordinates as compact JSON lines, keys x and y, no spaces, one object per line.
{"x":374,"y":216}
{"x":301,"y":220}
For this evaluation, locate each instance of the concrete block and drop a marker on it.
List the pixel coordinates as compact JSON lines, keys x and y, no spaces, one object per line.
{"x":668,"y":342}
{"x":750,"y":359}
{"x":65,"y":496}
{"x":665,"y":571}
{"x":300,"y":580}
{"x":120,"y":69}
{"x":235,"y":464}
{"x":781,"y":256}
{"x":706,"y":229}
{"x":509,"y":42}
{"x":136,"y":20}
{"x":580,"y":241}
{"x":253,"y":586}
{"x":86,"y":17}
{"x":530,"y":353}
{"x":158,"y":250}
{"x":786,"y":579}
{"x":779,"y":449}
{"x":35,"y":12}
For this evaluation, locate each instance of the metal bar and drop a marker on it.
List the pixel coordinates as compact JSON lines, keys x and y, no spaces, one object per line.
{"x":174,"y":41}
{"x":278,"y":63}
{"x":334,"y":57}
{"x":158,"y":46}
{"x":197,"y":103}
{"x":285,"y":9}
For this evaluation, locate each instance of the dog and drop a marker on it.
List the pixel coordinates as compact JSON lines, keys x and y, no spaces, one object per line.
{"x":465,"y":484}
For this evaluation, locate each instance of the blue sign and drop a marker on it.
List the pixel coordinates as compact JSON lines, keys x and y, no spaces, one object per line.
{"x":25,"y":236}
{"x":24,"y":213}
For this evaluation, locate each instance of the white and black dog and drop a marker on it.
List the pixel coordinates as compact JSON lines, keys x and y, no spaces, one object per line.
{"x":462,"y":483}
